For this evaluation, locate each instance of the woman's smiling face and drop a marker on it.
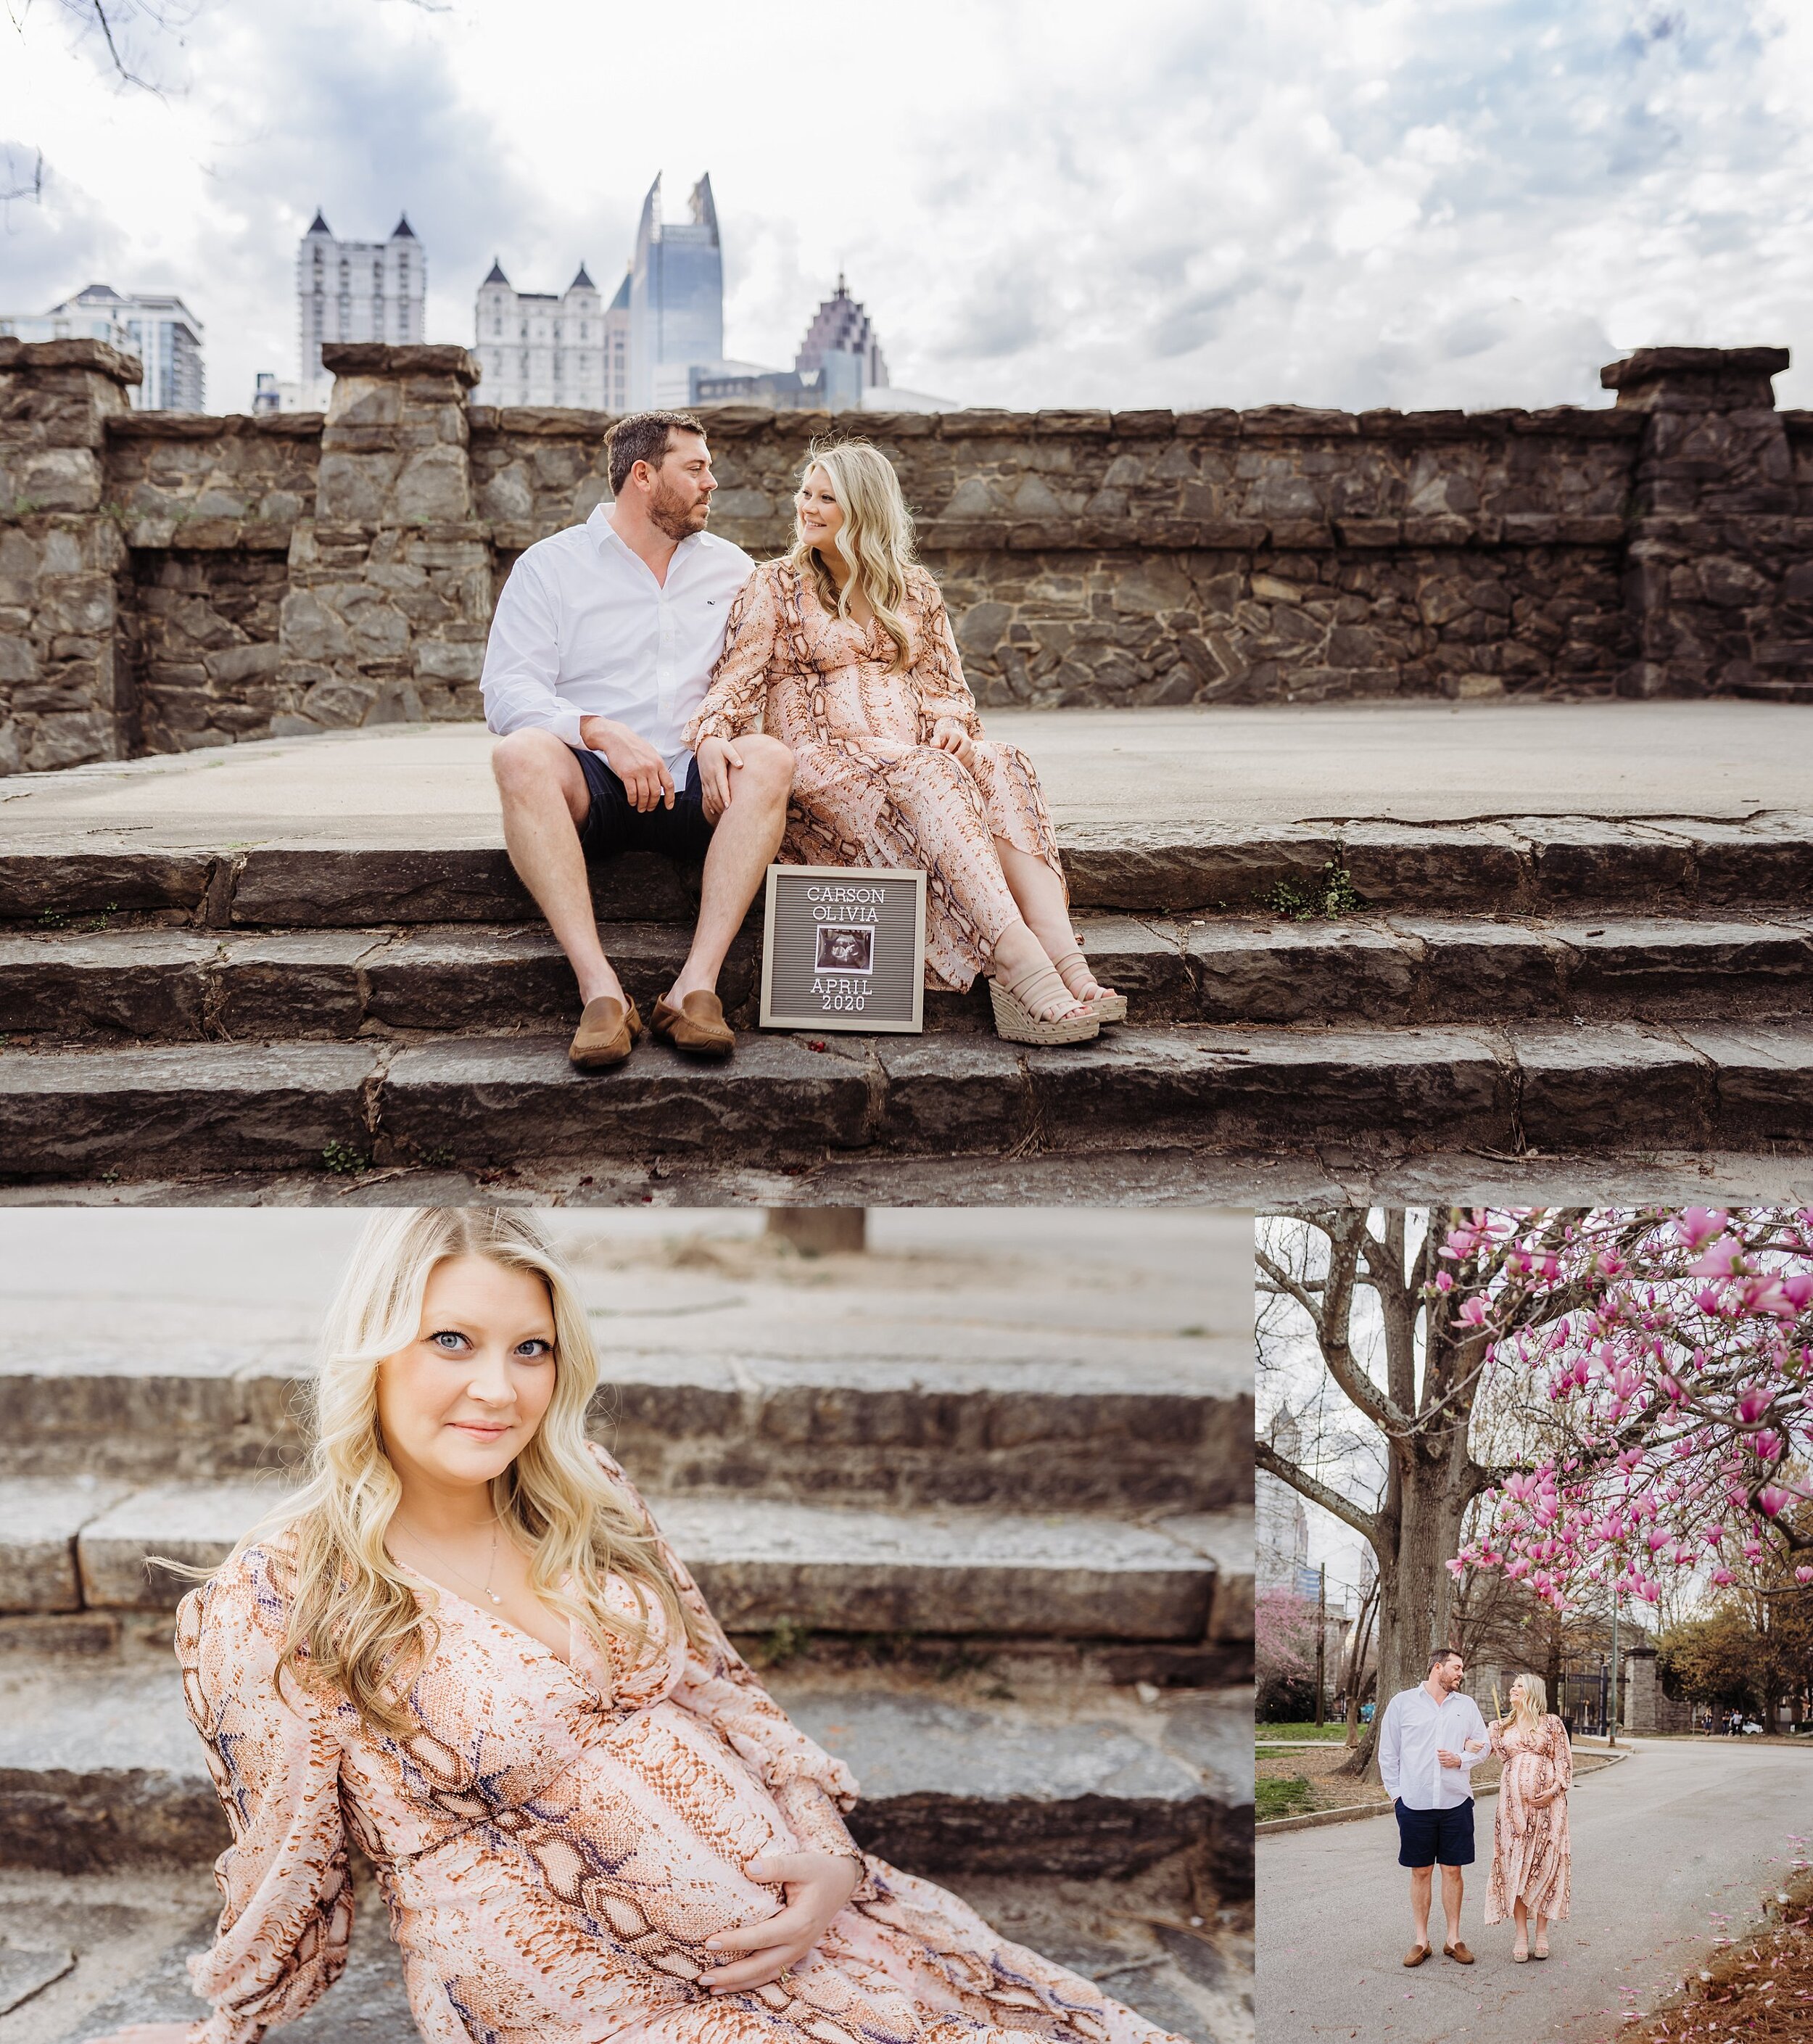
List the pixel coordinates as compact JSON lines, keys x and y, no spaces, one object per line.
{"x":821,"y":515}
{"x":462,"y":1401}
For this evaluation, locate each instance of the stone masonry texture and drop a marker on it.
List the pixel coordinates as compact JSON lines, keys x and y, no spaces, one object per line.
{"x":169,"y":581}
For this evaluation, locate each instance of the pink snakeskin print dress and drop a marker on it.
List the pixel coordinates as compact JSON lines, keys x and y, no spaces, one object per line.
{"x":555,"y":1840}
{"x":870,"y":788}
{"x":1530,"y":1855}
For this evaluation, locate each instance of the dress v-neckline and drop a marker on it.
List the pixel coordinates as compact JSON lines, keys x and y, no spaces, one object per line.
{"x":496,"y":1618}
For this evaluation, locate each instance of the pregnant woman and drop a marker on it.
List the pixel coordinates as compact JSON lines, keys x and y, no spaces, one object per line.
{"x":1530,"y":1853}
{"x":842,"y":651}
{"x":468,"y":1650}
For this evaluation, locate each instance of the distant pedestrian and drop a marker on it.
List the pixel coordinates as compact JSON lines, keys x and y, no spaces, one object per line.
{"x":1431,"y":1739}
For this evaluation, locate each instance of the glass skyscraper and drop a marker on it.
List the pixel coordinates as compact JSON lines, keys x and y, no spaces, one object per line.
{"x":676,"y":301}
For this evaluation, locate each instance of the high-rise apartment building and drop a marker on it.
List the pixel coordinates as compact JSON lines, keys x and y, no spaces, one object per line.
{"x":159,"y":328}
{"x":534,"y":348}
{"x":355,"y":290}
{"x":676,"y":300}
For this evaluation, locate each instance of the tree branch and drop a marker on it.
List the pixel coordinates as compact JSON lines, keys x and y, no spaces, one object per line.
{"x":1366,"y":1523}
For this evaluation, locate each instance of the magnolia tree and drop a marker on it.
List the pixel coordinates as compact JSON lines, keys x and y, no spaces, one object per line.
{"x":1674,"y":1351}
{"x":1600,"y":1403}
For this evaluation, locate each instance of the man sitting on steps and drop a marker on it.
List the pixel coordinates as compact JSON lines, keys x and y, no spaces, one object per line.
{"x":603,"y":644}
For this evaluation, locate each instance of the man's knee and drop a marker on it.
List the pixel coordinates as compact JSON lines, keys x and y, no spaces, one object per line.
{"x":526,"y":763}
{"x":767,"y":765}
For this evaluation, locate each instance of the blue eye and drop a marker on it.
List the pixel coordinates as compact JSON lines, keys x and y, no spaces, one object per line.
{"x":447,"y":1338}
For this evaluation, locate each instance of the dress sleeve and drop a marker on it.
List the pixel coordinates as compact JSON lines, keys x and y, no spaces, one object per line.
{"x":1561,"y":1751}
{"x":812,"y":1788}
{"x":285,"y":1898}
{"x":937,"y":668}
{"x":1495,"y":1733}
{"x":740,"y":681}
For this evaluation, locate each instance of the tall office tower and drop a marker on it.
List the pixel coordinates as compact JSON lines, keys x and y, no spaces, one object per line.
{"x":159,"y":328}
{"x":841,"y":343}
{"x":676,"y":300}
{"x":355,"y":290}
{"x":534,"y":348}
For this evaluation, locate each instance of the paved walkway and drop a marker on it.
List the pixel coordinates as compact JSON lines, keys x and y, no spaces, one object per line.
{"x":1432,"y":762}
{"x":1669,"y":1849}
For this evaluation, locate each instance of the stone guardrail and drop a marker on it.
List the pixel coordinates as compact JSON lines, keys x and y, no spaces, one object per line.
{"x":171,"y":580}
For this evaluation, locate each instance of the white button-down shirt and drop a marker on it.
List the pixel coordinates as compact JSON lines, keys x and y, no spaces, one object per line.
{"x":1415,"y":1729}
{"x":583,"y":629}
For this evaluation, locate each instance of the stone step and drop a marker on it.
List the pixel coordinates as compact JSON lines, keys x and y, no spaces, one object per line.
{"x":482,"y":1103}
{"x":763,"y":1563}
{"x":99,"y":1768}
{"x":424,"y":870}
{"x":161,"y":984}
{"x":1136,"y":1424}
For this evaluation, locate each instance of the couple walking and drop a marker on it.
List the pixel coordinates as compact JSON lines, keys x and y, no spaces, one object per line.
{"x":1431,"y":1739}
{"x":630,"y":662}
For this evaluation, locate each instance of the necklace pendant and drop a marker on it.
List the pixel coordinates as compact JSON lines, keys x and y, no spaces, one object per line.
{"x":497,"y":1599}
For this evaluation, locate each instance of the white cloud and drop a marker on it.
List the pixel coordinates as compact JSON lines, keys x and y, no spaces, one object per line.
{"x":1417,"y":202}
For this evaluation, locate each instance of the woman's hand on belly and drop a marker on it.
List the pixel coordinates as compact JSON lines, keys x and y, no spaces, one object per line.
{"x":818,"y":1884}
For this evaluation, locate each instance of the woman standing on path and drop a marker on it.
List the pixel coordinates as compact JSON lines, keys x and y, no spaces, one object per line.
{"x":843,"y":650}
{"x":468,"y":1649}
{"x":1530,"y":1848}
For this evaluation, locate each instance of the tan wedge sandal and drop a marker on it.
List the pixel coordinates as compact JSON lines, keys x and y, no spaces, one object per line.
{"x":1105,"y":1007}
{"x":1016,"y":1005}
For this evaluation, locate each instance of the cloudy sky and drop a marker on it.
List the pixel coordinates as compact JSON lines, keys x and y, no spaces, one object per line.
{"x":1341,"y":202}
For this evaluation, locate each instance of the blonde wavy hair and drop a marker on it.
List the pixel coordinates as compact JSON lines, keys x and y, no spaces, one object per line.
{"x":357,"y":1626}
{"x":875,"y":539}
{"x":1528,"y":1711}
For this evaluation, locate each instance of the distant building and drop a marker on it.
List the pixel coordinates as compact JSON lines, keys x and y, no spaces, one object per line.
{"x":534,"y":348}
{"x":676,"y":300}
{"x":160,"y":330}
{"x":841,"y":346}
{"x":354,"y":291}
{"x":1282,"y":1528}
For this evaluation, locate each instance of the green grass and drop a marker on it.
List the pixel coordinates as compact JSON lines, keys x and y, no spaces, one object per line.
{"x":1290,"y":1797}
{"x":1333,"y":1731}
{"x":1330,"y":895}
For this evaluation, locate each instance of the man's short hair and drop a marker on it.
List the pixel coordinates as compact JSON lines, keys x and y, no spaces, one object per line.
{"x":643,"y":437}
{"x":1444,"y":1653}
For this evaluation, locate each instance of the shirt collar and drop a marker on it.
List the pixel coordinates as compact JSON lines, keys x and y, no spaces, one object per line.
{"x":605,"y":534}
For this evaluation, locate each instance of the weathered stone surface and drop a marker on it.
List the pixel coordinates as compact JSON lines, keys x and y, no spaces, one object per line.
{"x":501,"y":1100}
{"x":1764,"y":1083}
{"x":143,"y":983}
{"x":1299,"y":972}
{"x":1219,"y":1086}
{"x":967,"y":1094}
{"x":294,"y":983}
{"x":1614,"y":1083}
{"x":1660,"y":968}
{"x":100,"y":1768}
{"x":39,"y":1519}
{"x":1577,"y":856}
{"x":1483,"y":969}
{"x":202,"y":1107}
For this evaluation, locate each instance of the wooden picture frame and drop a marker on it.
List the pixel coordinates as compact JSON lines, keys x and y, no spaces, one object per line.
{"x":844,"y":947}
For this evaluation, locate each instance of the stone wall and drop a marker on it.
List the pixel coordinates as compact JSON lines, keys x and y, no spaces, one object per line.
{"x":169,"y":581}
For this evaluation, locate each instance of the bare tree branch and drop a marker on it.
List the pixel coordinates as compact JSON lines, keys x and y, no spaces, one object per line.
{"x":1318,"y":1492}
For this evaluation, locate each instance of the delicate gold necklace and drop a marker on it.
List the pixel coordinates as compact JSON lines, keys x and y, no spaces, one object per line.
{"x":460,"y":1573}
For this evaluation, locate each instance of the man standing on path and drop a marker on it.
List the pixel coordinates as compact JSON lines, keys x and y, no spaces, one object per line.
{"x":601,"y":652}
{"x":1427,"y":1769}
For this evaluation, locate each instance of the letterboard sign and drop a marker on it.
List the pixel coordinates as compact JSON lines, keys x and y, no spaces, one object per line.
{"x":844,"y":948}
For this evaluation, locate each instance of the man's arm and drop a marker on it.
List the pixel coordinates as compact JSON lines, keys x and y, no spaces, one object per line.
{"x":1388,"y":1749}
{"x":1476,"y":1734}
{"x":521,"y":678}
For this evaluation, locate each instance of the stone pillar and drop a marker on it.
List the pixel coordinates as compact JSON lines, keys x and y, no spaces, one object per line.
{"x":390,"y":595}
{"x":1643,"y":1691}
{"x":66,"y":691}
{"x":1714,"y":600}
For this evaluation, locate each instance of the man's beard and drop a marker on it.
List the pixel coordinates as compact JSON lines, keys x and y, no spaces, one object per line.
{"x":669,"y":513}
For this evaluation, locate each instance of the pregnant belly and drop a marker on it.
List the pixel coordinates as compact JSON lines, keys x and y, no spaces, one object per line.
{"x":1528,"y":1773}
{"x":646,"y":1835}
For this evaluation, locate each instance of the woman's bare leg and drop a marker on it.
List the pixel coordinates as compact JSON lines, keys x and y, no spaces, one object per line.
{"x":1520,"y":1910}
{"x":1017,"y":951}
{"x":1542,"y":1933}
{"x":1040,"y":895}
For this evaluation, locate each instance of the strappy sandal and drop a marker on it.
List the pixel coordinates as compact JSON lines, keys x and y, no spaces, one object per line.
{"x":1104,"y":1006}
{"x":1016,"y":1003}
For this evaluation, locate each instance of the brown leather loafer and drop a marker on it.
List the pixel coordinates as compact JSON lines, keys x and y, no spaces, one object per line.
{"x":606,"y":1034}
{"x":1416,"y":1955}
{"x":697,"y":1025}
{"x":1458,"y":1951}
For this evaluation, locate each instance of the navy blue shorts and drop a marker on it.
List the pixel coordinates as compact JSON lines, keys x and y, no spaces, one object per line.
{"x":613,"y":824}
{"x":1427,"y":1837}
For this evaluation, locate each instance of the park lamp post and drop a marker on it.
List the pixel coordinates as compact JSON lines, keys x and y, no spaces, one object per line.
{"x":1612,"y":1721}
